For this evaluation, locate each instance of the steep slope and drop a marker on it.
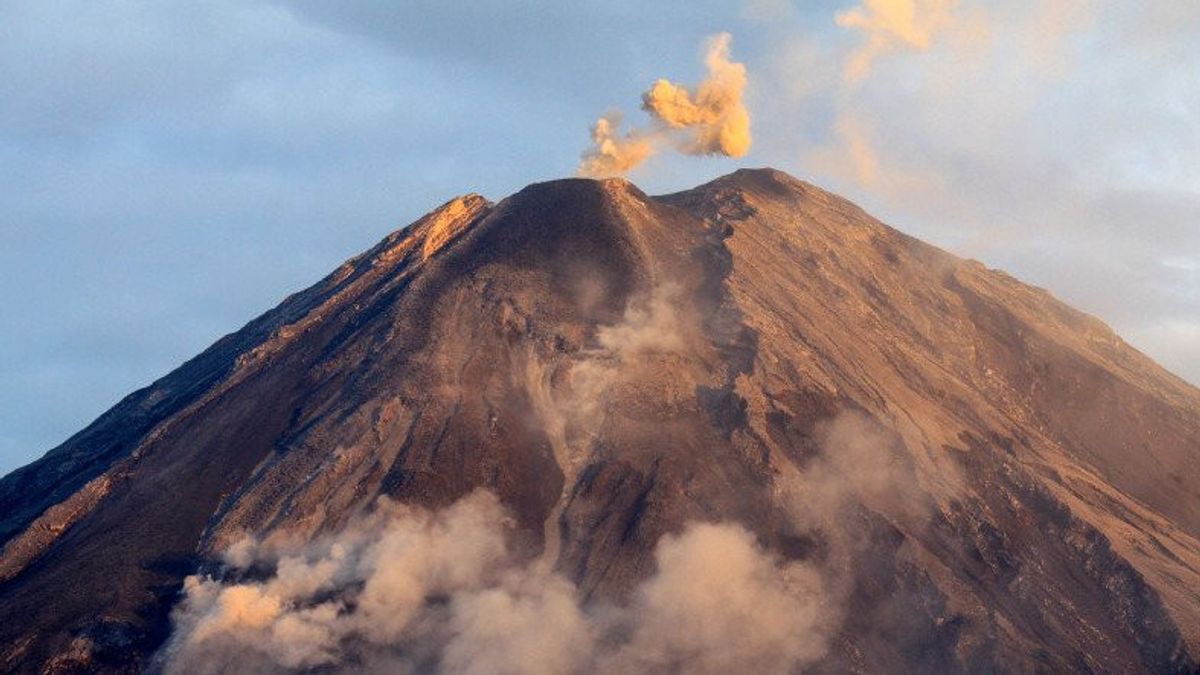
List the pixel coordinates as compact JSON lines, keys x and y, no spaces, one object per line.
{"x":988,"y":479}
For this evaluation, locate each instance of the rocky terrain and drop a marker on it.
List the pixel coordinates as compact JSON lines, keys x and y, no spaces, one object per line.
{"x":982,"y":478}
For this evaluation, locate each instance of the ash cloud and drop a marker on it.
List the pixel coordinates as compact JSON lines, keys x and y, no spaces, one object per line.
{"x":402,"y":589}
{"x":859,"y":464}
{"x":720,"y":604}
{"x":613,"y":153}
{"x":860,"y":469}
{"x":708,"y":119}
{"x":410,"y":590}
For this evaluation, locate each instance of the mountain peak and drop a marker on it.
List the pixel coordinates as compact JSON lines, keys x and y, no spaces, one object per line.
{"x":963,"y":473}
{"x":765,"y":180}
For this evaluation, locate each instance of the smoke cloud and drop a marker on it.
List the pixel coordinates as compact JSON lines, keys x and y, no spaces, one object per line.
{"x":859,"y":467}
{"x":709,"y":119}
{"x":859,"y":464}
{"x":402,"y":589}
{"x":720,"y":604}
{"x":714,"y":113}
{"x":410,"y":590}
{"x":892,"y":25}
{"x":612,"y":153}
{"x":887,"y":27}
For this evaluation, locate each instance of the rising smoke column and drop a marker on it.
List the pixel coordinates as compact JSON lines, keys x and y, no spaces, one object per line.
{"x":612,"y":153}
{"x":708,"y":119}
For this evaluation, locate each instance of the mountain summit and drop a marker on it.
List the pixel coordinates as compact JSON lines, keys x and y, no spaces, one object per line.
{"x":751,"y":380}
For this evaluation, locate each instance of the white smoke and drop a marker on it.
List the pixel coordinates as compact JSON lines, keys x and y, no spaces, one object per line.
{"x":406,"y":590}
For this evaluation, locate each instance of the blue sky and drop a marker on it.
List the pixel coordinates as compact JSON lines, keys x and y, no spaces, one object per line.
{"x":170,"y":170}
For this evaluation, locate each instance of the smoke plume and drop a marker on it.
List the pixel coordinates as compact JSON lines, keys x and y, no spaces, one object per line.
{"x":612,"y":153}
{"x":402,"y":589}
{"x":860,"y":467}
{"x":409,"y":590}
{"x":708,"y":119}
{"x":892,"y":25}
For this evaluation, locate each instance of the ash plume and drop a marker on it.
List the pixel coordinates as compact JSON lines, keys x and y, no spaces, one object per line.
{"x":614,"y":153}
{"x":859,"y":464}
{"x":721,"y":604}
{"x":411,"y":590}
{"x":708,"y":119}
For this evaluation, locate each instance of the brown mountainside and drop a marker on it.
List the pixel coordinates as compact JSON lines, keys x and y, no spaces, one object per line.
{"x":993,"y":481}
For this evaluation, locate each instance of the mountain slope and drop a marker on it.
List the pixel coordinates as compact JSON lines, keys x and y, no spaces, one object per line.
{"x":992,"y":480}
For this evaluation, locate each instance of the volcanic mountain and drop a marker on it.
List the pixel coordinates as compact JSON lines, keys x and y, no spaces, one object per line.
{"x":975,"y":477}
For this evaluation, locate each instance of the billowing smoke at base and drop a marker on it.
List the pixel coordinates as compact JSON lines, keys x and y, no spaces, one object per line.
{"x":411,"y":590}
{"x":709,"y":119}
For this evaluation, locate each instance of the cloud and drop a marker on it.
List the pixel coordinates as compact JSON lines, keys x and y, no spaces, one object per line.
{"x":892,"y":25}
{"x":708,"y":119}
{"x":411,"y":590}
{"x":857,"y":150}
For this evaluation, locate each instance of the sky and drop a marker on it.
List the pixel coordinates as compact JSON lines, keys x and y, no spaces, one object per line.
{"x":168,"y":171}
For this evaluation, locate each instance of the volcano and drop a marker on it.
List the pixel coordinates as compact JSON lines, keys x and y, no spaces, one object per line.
{"x":979,"y":477}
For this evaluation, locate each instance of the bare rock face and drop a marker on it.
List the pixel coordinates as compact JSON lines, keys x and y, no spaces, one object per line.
{"x":990,"y":480}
